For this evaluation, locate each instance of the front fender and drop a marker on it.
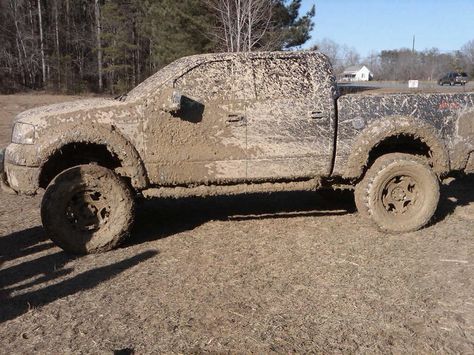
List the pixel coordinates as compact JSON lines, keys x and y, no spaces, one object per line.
{"x":107,"y":135}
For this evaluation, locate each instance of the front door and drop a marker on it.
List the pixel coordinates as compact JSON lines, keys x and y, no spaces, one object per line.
{"x":205,"y":142}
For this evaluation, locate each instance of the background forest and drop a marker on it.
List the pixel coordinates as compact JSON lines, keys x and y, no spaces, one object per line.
{"x":112,"y":45}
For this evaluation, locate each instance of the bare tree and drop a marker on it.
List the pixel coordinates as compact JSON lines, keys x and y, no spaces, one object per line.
{"x":339,"y":56}
{"x":99,"y":42}
{"x":332,"y":50}
{"x":350,"y":56}
{"x":241,"y":24}
{"x":56,"y":34}
{"x":40,"y":23}
{"x":468,"y":52}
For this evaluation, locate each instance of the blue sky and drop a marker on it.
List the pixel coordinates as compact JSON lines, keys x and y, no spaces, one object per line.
{"x":373,"y":25}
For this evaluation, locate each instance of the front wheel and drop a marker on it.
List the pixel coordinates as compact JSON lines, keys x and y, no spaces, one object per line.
{"x":399,"y":192}
{"x":87,"y":209}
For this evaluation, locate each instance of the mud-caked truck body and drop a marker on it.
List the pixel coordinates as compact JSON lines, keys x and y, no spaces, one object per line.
{"x":236,"y":123}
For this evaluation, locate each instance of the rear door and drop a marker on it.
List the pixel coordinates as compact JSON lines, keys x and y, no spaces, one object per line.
{"x":290,"y":125}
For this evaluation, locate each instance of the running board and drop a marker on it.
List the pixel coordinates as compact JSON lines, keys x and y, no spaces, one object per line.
{"x":216,"y":190}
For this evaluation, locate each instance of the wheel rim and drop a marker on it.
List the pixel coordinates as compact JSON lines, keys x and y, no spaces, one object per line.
{"x":88,"y":210}
{"x":401,"y":195}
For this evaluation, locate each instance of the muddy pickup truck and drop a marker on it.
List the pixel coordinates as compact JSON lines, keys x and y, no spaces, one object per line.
{"x":236,"y":123}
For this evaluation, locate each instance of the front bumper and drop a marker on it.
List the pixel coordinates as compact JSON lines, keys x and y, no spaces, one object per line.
{"x":16,"y":178}
{"x":3,"y":175}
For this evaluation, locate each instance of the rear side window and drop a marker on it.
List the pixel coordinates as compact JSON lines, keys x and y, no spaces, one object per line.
{"x":282,"y":78}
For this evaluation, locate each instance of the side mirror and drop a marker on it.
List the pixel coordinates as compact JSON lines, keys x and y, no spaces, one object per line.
{"x":170,"y":100}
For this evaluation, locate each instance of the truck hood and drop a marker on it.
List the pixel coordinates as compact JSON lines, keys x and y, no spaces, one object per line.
{"x":40,"y":116}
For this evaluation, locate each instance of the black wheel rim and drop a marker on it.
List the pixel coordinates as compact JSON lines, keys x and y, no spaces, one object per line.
{"x":87,"y":210}
{"x":401,"y":195}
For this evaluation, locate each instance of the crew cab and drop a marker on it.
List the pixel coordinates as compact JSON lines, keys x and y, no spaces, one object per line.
{"x":236,"y":123}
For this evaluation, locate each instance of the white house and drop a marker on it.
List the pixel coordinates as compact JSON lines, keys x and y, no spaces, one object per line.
{"x":357,"y":73}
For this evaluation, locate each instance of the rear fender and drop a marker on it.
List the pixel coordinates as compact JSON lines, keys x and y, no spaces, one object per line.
{"x":378,"y":131}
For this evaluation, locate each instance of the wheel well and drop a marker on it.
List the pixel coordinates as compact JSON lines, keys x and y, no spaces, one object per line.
{"x":403,"y":143}
{"x":76,"y":154}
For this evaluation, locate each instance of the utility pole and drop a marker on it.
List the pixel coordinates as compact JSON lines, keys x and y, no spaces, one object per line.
{"x":412,"y":66}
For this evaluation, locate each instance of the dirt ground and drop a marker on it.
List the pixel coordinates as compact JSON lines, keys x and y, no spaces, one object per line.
{"x":284,"y":272}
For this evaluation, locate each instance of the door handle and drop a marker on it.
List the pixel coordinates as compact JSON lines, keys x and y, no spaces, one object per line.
{"x":317,"y":115}
{"x":233,"y":118}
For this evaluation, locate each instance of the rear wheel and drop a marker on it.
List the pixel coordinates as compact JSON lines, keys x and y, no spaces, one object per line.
{"x":399,"y":192}
{"x":87,"y":209}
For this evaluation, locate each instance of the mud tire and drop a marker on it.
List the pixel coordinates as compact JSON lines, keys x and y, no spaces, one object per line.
{"x":360,"y":192}
{"x":87,"y":209}
{"x":399,"y":192}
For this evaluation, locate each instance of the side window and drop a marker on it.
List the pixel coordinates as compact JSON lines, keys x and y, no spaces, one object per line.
{"x":207,"y":82}
{"x":282,"y":78}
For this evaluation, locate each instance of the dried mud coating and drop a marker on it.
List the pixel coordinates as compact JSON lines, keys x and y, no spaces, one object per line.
{"x":245,"y":117}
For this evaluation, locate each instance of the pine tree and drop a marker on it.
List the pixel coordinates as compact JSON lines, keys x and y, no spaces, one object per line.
{"x":289,"y":28}
{"x":118,"y":47}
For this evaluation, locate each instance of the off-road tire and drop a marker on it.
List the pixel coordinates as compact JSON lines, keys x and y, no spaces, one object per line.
{"x":399,"y":192}
{"x":359,"y":198}
{"x":87,"y":209}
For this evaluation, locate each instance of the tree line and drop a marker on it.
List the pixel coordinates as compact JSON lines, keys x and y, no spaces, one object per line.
{"x":112,"y":45}
{"x":402,"y":64}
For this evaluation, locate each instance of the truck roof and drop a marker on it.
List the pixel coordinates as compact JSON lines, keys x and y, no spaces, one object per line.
{"x":153,"y":83}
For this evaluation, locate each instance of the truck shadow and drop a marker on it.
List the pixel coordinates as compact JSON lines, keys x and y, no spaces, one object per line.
{"x":456,"y":193}
{"x":160,"y":218}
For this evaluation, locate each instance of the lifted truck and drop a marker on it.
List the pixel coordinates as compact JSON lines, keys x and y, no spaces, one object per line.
{"x":236,"y":123}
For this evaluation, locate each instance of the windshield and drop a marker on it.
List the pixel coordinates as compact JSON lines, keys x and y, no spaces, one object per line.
{"x":154,"y":82}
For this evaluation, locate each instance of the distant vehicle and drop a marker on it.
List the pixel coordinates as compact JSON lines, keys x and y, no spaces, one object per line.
{"x":454,"y":78}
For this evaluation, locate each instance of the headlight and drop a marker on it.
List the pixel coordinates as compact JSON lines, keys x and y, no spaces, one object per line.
{"x":23,"y":133}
